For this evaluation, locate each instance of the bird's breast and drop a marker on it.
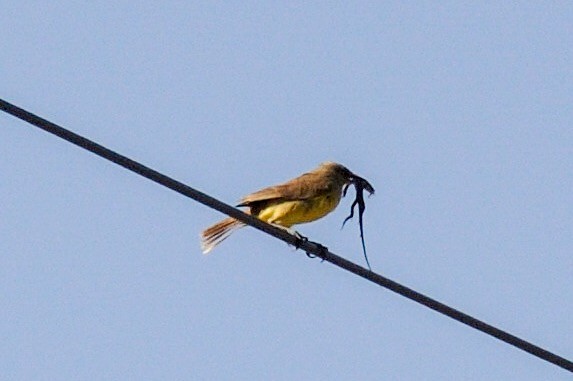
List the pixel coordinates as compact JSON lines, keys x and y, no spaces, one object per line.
{"x":289,"y":213}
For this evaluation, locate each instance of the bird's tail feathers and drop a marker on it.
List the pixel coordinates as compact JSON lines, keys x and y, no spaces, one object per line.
{"x":214,"y":235}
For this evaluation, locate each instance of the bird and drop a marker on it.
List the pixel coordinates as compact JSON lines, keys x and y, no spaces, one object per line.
{"x":303,"y":199}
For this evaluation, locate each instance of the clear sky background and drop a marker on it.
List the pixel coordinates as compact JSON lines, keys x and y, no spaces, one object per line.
{"x":458,"y":113}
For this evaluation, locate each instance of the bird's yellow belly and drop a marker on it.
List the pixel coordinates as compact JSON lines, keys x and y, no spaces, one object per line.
{"x":289,"y":213}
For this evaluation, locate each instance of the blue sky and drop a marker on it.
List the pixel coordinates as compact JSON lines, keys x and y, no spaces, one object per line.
{"x":458,"y":113}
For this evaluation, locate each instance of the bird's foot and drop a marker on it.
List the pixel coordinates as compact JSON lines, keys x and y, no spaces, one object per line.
{"x":321,"y":252}
{"x":300,"y":240}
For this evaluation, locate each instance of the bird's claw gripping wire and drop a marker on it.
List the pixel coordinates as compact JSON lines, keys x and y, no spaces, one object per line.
{"x":301,"y":240}
{"x":323,"y":250}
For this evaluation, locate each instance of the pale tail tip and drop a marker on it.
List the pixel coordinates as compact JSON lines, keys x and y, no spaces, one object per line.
{"x":205,"y":247}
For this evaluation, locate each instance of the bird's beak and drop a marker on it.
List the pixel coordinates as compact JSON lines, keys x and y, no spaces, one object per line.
{"x":362,"y":183}
{"x":359,"y":182}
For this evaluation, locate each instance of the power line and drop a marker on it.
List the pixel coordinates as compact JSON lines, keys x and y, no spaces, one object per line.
{"x":308,"y":246}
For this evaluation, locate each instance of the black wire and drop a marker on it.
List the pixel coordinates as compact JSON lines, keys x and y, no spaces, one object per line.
{"x":308,"y":246}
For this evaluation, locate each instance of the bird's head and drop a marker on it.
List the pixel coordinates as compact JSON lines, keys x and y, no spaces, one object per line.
{"x":347,"y":176}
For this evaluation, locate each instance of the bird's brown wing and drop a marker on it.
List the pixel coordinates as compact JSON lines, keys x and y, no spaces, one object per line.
{"x":303,"y":187}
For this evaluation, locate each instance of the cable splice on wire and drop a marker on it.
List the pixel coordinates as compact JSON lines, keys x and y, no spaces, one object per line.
{"x":307,"y":246}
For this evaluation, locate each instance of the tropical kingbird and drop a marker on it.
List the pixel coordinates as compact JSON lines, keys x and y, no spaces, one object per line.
{"x":303,"y":199}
